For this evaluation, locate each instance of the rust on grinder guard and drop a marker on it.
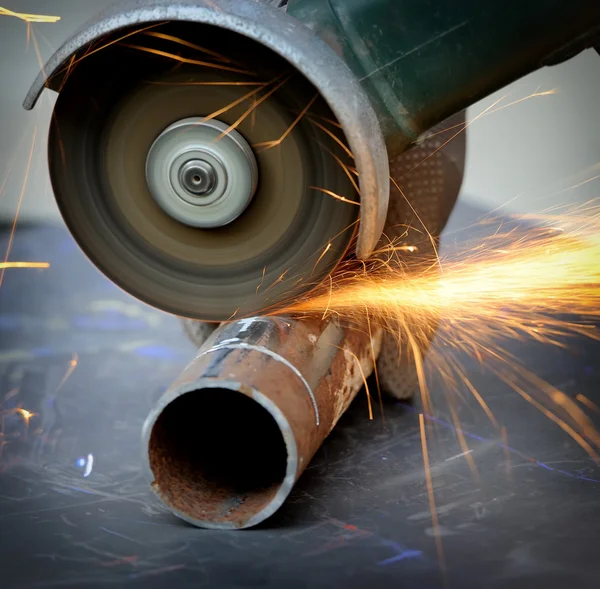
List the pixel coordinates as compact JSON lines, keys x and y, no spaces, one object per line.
{"x":227,"y":441}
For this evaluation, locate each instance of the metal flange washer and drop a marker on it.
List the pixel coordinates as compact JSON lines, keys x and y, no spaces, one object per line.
{"x":201,"y":172}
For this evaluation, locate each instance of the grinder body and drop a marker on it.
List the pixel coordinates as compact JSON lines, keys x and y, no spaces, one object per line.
{"x":421,"y":61}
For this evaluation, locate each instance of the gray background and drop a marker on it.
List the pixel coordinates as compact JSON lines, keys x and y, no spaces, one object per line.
{"x":523,"y":158}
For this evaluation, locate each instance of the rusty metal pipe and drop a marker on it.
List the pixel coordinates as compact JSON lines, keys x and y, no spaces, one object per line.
{"x":228,"y":440}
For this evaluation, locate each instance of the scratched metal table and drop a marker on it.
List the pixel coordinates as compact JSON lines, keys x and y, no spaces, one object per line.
{"x":88,"y":361}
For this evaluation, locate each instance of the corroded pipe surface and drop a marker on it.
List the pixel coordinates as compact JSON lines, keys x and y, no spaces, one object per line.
{"x":228,"y":440}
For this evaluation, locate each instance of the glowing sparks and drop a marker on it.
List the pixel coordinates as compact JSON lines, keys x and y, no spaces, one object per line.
{"x":519,"y":282}
{"x":158,"y":83}
{"x":29,"y":18}
{"x":20,"y":202}
{"x":262,"y":279}
{"x":490,"y":110}
{"x":362,"y":374}
{"x":25,"y":414}
{"x":334,"y":195}
{"x":263,"y":146}
{"x":327,"y":248}
{"x":186,"y":60}
{"x":536,"y":272}
{"x":349,"y":173}
{"x":70,"y":369}
{"x":188,"y":44}
{"x":325,"y":130}
{"x":231,"y":105}
{"x":5,"y":265}
{"x":252,"y":108}
{"x":430,"y":494}
{"x":588,"y":403}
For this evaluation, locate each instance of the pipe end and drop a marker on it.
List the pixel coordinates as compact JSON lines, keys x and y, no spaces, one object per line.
{"x":221,"y":458}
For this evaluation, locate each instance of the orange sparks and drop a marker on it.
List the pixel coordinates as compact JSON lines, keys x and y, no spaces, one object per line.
{"x":29,"y":18}
{"x":588,"y":403}
{"x":334,"y":195}
{"x":5,"y":265}
{"x":186,"y":60}
{"x":519,"y":282}
{"x":490,"y":288}
{"x":252,"y":108}
{"x":264,"y":145}
{"x":20,"y":202}
{"x":186,"y":44}
{"x":349,"y":173}
{"x":488,"y":111}
{"x":70,"y":369}
{"x":26,"y":415}
{"x":432,"y":507}
{"x":324,"y":252}
{"x":232,"y":104}
{"x":362,"y":374}
{"x":333,"y":136}
{"x":262,"y":279}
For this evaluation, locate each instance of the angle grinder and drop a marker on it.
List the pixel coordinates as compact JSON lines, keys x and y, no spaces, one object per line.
{"x":218,"y":158}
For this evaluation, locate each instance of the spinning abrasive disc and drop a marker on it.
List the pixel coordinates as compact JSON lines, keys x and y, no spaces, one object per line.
{"x":206,"y":192}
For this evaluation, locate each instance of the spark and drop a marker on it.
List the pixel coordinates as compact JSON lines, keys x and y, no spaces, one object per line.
{"x":488,"y":111}
{"x":262,"y":279}
{"x":522,"y":281}
{"x":334,"y":195}
{"x":187,"y":44}
{"x":414,"y":211}
{"x":265,"y":145}
{"x":327,"y":120}
{"x":458,"y":455}
{"x":278,"y":280}
{"x":461,"y":130}
{"x":374,"y":360}
{"x":252,"y":108}
{"x":362,"y":374}
{"x":25,"y":414}
{"x":70,"y":369}
{"x":588,"y":403}
{"x":29,"y":18}
{"x":344,"y":167}
{"x":11,"y":163}
{"x":463,"y":441}
{"x":38,"y":53}
{"x":91,"y":49}
{"x":327,"y":248}
{"x":253,"y":115}
{"x":432,"y":507}
{"x":158,"y":83}
{"x":325,"y":130}
{"x":6,"y":265}
{"x":186,"y":60}
{"x":232,"y":104}
{"x":20,"y":202}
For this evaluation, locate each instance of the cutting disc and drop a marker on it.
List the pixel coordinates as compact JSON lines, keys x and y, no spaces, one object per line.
{"x":206,"y":192}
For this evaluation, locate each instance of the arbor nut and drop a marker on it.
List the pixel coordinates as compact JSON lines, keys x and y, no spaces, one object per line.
{"x":198,"y":177}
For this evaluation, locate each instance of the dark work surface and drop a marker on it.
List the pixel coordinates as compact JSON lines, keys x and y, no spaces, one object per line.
{"x":89,"y":361}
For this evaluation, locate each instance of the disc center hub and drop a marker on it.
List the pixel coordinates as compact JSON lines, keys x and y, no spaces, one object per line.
{"x":201,"y":172}
{"x":198,"y":177}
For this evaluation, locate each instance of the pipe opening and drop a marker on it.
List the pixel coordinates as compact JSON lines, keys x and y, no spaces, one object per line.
{"x":217,"y":456}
